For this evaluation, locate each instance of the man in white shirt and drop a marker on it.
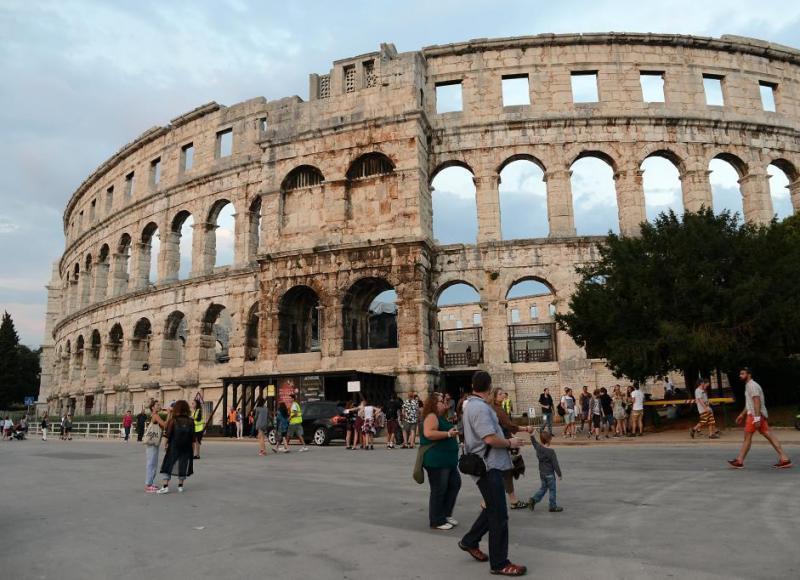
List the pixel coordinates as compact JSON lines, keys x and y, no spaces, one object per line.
{"x":754,"y":416}
{"x":637,"y":411}
{"x":706,"y":413}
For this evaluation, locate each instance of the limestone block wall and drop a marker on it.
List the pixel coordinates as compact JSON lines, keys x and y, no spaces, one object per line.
{"x":335,"y":190}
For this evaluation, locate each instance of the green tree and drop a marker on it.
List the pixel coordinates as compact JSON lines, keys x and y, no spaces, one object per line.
{"x":19,"y":366}
{"x":694,"y":294}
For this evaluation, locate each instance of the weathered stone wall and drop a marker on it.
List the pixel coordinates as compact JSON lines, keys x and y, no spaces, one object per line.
{"x":332,"y":226}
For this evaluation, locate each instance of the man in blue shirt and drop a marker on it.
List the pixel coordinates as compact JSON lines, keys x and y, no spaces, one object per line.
{"x":482,"y":431}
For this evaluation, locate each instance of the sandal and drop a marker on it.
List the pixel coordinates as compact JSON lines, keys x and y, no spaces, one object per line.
{"x":474,"y":552}
{"x":511,"y":570}
{"x":518,"y":505}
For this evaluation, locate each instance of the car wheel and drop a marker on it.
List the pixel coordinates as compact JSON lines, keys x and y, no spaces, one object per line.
{"x":321,"y":436}
{"x":272,"y":438}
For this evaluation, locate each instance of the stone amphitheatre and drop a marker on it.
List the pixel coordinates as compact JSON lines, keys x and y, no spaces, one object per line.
{"x":333,"y":208}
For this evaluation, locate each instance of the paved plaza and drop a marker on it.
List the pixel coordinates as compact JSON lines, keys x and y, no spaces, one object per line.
{"x":78,"y":510}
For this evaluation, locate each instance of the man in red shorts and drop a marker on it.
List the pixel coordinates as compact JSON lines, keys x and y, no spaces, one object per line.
{"x":754,"y":416}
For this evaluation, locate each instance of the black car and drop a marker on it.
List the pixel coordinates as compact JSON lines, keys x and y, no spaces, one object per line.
{"x":322,"y":422}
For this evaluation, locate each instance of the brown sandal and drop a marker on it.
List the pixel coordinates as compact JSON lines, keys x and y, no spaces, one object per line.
{"x":511,"y":570}
{"x":474,"y":552}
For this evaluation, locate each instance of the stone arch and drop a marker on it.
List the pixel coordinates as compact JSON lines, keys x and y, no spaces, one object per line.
{"x":302,"y":176}
{"x":521,"y":157}
{"x":782,"y":174}
{"x":121,"y":268}
{"x":594,"y":193}
{"x":101,"y":269}
{"x":458,"y":320}
{"x":149,"y":247}
{"x":92,"y":358}
{"x":178,"y":249}
{"x":254,"y":228}
{"x":448,"y":164}
{"x":596,"y":151}
{"x":77,"y":359}
{"x":215,"y":332}
{"x":661,"y":171}
{"x":530,"y":311}
{"x":221,"y":228}
{"x":140,"y":345}
{"x":173,"y":351}
{"x":726,"y":173}
{"x":299,"y":321}
{"x":454,"y":204}
{"x":522,"y":193}
{"x":789,"y":168}
{"x":370,"y":165}
{"x":251,"y":333}
{"x":734,"y":160}
{"x":301,"y":199}
{"x":455,"y":280}
{"x":368,"y":324}
{"x":67,"y":361}
{"x":114,"y":348}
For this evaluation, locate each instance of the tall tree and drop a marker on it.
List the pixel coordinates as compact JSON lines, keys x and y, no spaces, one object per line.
{"x":9,"y":361}
{"x":694,"y":294}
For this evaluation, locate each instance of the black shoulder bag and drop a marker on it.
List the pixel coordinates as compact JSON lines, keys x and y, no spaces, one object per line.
{"x":473,"y":464}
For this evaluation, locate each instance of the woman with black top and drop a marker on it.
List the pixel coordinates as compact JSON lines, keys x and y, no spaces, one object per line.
{"x":179,"y":436}
{"x":44,"y":426}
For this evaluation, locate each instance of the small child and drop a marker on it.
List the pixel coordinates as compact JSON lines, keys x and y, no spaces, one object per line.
{"x":548,"y":469}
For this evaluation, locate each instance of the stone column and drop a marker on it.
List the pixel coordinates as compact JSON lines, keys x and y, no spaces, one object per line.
{"x":270,"y":219}
{"x":794,"y":192}
{"x":560,"y":213}
{"x":141,"y":269}
{"x":119,"y":277}
{"x":756,"y":199}
{"x":100,"y":282}
{"x":696,"y":189}
{"x":630,"y":200}
{"x":240,"y":230}
{"x":170,"y":261}
{"x":487,"y":198}
{"x":204,"y":248}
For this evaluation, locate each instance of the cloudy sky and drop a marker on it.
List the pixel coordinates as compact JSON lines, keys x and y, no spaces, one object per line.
{"x":81,"y":78}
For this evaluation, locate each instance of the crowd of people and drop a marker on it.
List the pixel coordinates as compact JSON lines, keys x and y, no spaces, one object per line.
{"x":597,"y":413}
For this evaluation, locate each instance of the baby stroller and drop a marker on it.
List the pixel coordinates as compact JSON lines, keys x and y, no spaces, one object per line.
{"x":18,"y":433}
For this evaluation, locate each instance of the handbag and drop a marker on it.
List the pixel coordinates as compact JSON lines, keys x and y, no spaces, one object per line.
{"x":419,"y":474}
{"x":152,"y":436}
{"x":473,"y":464}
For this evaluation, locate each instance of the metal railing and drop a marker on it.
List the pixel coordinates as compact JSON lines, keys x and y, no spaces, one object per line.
{"x":532,"y":342}
{"x":453,"y":340}
{"x":98,"y":430}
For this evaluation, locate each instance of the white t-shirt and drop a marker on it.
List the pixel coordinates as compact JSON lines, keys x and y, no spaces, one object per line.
{"x":369,"y":412}
{"x":638,"y":400}
{"x":701,"y":400}
{"x":753,"y":389}
{"x":569,"y":403}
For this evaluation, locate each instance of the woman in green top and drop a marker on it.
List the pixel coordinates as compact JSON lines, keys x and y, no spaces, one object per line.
{"x":441,"y":462}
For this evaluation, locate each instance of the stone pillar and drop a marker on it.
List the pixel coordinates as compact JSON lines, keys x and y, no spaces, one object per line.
{"x":696,"y":189}
{"x":170,"y":260}
{"x":100,"y":281}
{"x":756,"y":199}
{"x":495,"y":332}
{"x":85,"y":288}
{"x":204,"y":248}
{"x":794,"y":192}
{"x":560,"y":213}
{"x":630,"y":200}
{"x":240,"y":229}
{"x":270,"y":219}
{"x":73,"y":295}
{"x":119,"y":278}
{"x":252,"y":236}
{"x":487,"y":199}
{"x":141,"y":269}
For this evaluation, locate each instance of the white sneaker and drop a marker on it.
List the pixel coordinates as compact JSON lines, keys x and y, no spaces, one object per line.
{"x":303,"y":449}
{"x":451,"y":521}
{"x":180,"y":489}
{"x":163,"y":490}
{"x":445,"y":526}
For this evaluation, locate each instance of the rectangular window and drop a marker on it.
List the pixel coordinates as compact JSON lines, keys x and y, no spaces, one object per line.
{"x":584,"y":87}
{"x":514,"y":315}
{"x":93,"y":211}
{"x":80,"y":220}
{"x":552,"y":310}
{"x":459,"y":324}
{"x":262,"y":126}
{"x":452,"y":317}
{"x":370,"y":79}
{"x":712,"y":85}
{"x":129,"y":186}
{"x":224,"y":143}
{"x":155,"y":171}
{"x":350,"y":79}
{"x":109,"y":199}
{"x":534,"y":313}
{"x":516,"y":90}
{"x":448,"y":97}
{"x":768,"y":95}
{"x":652,"y":86}
{"x":187,"y":157}
{"x":476,"y":319}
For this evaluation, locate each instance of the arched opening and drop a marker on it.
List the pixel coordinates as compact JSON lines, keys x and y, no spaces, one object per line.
{"x":215,"y":333}
{"x":122,"y":265}
{"x":93,"y":355}
{"x":140,"y":345}
{"x":101,"y":274}
{"x":58,"y":364}
{"x":251,"y":341}
{"x":530,"y":312}
{"x":77,"y":360}
{"x":65,"y":368}
{"x":299,"y":321}
{"x":114,"y":350}
{"x":148,"y":261}
{"x":781,"y":174}
{"x":173,"y":354}
{"x":594,"y":196}
{"x":455,"y":211}
{"x":254,"y":228}
{"x":459,"y":321}
{"x":179,"y":248}
{"x":85,"y":287}
{"x":300,"y":198}
{"x":369,"y":315}
{"x":523,"y":200}
{"x":661,"y":181}
{"x":74,"y":288}
{"x":370,"y":165}
{"x":726,"y":195}
{"x":222,"y":219}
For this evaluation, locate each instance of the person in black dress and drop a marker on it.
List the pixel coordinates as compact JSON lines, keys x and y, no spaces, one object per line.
{"x":179,"y":436}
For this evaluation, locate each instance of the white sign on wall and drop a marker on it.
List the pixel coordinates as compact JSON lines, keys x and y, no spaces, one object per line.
{"x":353,"y":386}
{"x":531,"y":412}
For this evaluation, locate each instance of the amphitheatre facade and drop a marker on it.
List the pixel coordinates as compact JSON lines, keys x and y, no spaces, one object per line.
{"x":333,"y":208}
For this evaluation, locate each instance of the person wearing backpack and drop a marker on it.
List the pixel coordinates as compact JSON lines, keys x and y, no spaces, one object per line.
{"x":152,"y":442}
